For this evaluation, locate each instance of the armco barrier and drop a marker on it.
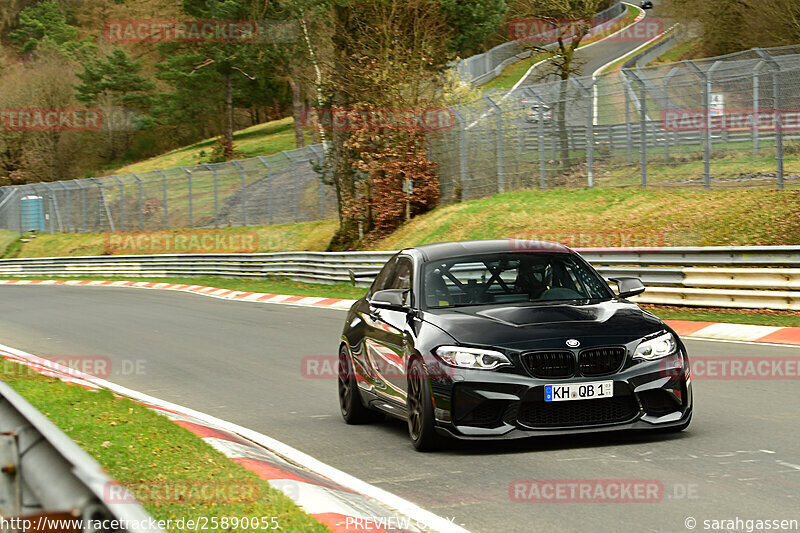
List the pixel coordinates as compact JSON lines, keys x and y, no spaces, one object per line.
{"x":47,"y":477}
{"x":744,"y":277}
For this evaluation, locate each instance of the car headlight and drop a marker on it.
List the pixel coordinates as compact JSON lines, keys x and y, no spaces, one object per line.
{"x":661,"y":346}
{"x":476,"y":358}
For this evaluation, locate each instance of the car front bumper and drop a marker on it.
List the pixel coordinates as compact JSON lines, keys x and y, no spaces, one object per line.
{"x":475,"y":404}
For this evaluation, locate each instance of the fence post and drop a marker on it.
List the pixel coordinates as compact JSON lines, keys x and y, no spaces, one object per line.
{"x":52,"y":196}
{"x":321,"y":158}
{"x":462,"y":153}
{"x":216,"y":196}
{"x":642,"y":124}
{"x":83,"y":205}
{"x":121,"y":202}
{"x":709,"y":79}
{"x":589,"y":93}
{"x":68,"y":208}
{"x":540,"y":143}
{"x":70,"y":203}
{"x":166,"y":209}
{"x":295,"y":179}
{"x":242,"y":193}
{"x":141,"y":202}
{"x":499,"y":139}
{"x":189,"y":185}
{"x":667,"y":79}
{"x":776,"y":106}
{"x":707,"y":130}
{"x":628,"y":132}
{"x":19,"y":212}
{"x":756,"y":104}
{"x":269,"y":189}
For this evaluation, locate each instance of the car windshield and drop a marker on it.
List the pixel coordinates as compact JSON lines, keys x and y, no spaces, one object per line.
{"x":511,"y":278}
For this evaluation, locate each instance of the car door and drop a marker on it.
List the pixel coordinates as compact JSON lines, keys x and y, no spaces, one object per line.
{"x":385,"y":340}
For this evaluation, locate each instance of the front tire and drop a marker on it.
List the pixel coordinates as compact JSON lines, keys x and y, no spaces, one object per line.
{"x":420,"y":410}
{"x":352,"y":408}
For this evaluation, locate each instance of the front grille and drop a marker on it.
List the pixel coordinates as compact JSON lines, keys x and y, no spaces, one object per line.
{"x":556,"y":364}
{"x":600,"y":361}
{"x":578,"y":412}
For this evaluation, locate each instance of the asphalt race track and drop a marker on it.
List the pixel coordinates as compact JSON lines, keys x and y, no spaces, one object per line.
{"x":242,"y":362}
{"x":597,"y":55}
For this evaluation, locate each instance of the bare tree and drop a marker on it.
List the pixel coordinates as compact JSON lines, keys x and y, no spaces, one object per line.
{"x":385,"y":55}
{"x":566,"y":23}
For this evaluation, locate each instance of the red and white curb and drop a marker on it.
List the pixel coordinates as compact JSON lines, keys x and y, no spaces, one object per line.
{"x":224,"y":294}
{"x":736,"y":332}
{"x":334,"y":498}
{"x":684,"y":328}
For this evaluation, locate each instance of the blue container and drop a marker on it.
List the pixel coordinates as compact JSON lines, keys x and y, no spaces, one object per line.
{"x":33,"y":214}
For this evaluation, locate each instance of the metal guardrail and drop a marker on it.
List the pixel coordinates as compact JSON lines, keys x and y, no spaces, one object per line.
{"x":744,"y":277}
{"x":46,"y":477}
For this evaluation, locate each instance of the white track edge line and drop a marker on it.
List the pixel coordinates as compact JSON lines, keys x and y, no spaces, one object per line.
{"x":412,"y":510}
{"x":527,"y":72}
{"x":343,"y":309}
{"x":740,"y":342}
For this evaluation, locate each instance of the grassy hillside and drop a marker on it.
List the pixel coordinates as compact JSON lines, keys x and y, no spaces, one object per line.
{"x":303,"y":236}
{"x":577,"y":217}
{"x":582,"y":217}
{"x":261,"y":139}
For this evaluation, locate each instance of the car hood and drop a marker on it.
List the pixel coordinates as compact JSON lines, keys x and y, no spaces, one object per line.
{"x":526,"y":327}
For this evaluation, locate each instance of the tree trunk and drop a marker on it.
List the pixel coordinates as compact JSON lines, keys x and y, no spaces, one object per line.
{"x":298,"y":108}
{"x":227,"y":142}
{"x":342,"y":171}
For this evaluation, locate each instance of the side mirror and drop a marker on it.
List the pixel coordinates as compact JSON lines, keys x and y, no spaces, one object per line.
{"x":394,"y":299}
{"x":629,"y":286}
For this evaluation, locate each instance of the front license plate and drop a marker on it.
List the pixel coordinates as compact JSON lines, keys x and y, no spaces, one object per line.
{"x":578,"y":391}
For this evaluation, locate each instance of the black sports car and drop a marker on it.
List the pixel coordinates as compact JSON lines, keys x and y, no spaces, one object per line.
{"x":508,"y":338}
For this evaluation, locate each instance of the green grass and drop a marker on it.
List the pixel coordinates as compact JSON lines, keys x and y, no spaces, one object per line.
{"x":512,"y":73}
{"x":140,"y":447}
{"x":686,"y":163}
{"x":690,"y":49}
{"x":306,"y":236}
{"x":261,"y":139}
{"x":761,"y":317}
{"x":9,"y":242}
{"x":661,"y":217}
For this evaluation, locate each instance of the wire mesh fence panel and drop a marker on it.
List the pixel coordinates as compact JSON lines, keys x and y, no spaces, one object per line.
{"x":719,"y":122}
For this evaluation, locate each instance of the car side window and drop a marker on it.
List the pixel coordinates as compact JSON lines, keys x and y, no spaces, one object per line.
{"x":402,"y":275}
{"x":385,"y":277}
